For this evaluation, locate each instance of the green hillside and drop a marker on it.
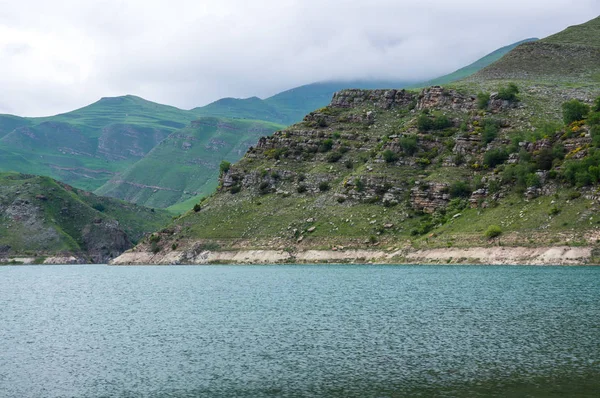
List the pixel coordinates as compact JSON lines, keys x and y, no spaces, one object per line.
{"x":579,"y":35}
{"x":186,"y":164}
{"x":41,"y":217}
{"x":9,"y":122}
{"x":483,"y":163}
{"x":475,"y":66}
{"x":90,"y":145}
{"x":571,"y":56}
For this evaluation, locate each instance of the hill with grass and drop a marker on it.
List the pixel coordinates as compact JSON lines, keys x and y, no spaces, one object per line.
{"x":88,"y":146}
{"x":475,"y":66}
{"x":572,"y":55}
{"x":185,"y":165}
{"x":43,"y":218}
{"x":484,"y":170}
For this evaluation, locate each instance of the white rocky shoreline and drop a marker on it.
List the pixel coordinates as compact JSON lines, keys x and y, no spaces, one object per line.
{"x":554,"y":255}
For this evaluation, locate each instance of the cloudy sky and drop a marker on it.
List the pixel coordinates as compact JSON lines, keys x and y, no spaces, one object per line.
{"x":59,"y":55}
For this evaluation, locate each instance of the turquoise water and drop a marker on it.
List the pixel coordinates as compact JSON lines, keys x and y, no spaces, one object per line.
{"x":294,"y":331}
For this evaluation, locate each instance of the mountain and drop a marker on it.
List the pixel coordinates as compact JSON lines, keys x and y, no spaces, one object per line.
{"x":475,"y":66}
{"x":88,"y":146}
{"x":42,"y":218}
{"x":572,"y":55}
{"x":482,"y":171}
{"x":186,"y":164}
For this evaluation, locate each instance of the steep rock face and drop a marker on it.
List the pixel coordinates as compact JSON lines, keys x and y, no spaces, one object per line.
{"x":384,"y":99}
{"x":104,"y":240}
{"x":429,"y":197}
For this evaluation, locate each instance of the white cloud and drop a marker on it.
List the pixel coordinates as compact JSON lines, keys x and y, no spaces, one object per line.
{"x":187,"y":53}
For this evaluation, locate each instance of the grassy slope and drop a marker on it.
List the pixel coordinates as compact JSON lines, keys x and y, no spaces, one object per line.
{"x":579,"y":35}
{"x":9,"y":122}
{"x":571,"y":56}
{"x":475,"y":66}
{"x":57,"y":221}
{"x":88,"y":146}
{"x":186,"y":164}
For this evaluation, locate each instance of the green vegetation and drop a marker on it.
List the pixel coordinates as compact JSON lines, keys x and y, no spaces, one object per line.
{"x":427,"y":122}
{"x":390,"y":156}
{"x":483,"y":100}
{"x":509,"y":92}
{"x":224,"y":167}
{"x":574,"y":110}
{"x":493,"y":231}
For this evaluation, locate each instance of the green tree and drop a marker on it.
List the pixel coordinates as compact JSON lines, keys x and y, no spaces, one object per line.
{"x":574,"y":110}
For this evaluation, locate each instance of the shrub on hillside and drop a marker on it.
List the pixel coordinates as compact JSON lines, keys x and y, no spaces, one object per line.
{"x":495,"y":157}
{"x":574,"y":110}
{"x":596,"y":107}
{"x":224,"y":167}
{"x":197,"y":207}
{"x":333,"y":157}
{"x":493,"y":231}
{"x":593,"y":119}
{"x":326,"y":145}
{"x":483,"y":100}
{"x":491,"y":128}
{"x":264,"y":187}
{"x":409,"y":145}
{"x":582,"y":172}
{"x":459,"y":189}
{"x":390,"y":156}
{"x":324,"y":186}
{"x":426,"y":123}
{"x":544,"y":159}
{"x":509,"y":93}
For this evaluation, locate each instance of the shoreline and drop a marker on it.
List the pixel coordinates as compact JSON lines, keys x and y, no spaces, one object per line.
{"x":552,"y":255}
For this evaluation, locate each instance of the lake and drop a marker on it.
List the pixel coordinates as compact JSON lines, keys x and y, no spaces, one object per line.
{"x":299,"y":330}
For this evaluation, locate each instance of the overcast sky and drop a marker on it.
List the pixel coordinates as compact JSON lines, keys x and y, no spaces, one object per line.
{"x":56,"y":56}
